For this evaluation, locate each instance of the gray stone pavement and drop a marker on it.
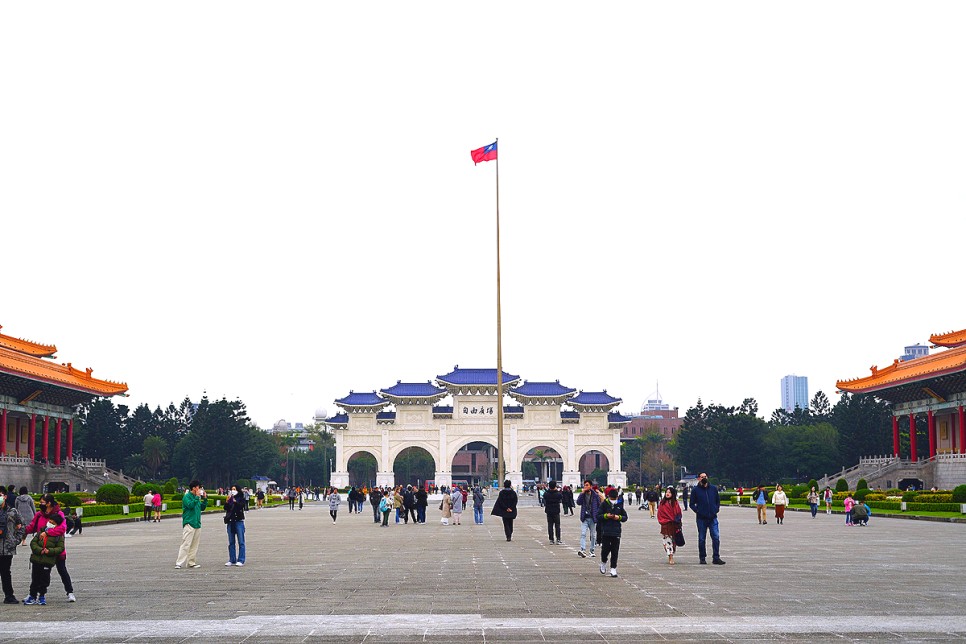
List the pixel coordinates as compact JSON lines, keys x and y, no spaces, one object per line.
{"x":306,"y":579}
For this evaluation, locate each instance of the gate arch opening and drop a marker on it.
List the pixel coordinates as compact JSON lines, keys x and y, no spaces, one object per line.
{"x":362,"y":466}
{"x":594,"y":465}
{"x":413,"y":466}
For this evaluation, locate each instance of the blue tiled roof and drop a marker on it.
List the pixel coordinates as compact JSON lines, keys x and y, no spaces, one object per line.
{"x":513,"y":409}
{"x":614,"y":417}
{"x":386,"y":415}
{"x":338,"y":419}
{"x":413,"y":390}
{"x":594,"y":398}
{"x":361,"y":400}
{"x":475,"y":377}
{"x":570,"y":415}
{"x":443,"y":409}
{"x":546,"y":389}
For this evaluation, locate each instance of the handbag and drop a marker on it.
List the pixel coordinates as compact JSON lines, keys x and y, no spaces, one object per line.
{"x":679,"y":538}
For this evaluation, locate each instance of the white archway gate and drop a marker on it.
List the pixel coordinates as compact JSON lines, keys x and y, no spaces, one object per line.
{"x":539,"y":421}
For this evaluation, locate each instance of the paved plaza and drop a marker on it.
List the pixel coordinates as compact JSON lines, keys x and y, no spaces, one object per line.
{"x":309,"y":580}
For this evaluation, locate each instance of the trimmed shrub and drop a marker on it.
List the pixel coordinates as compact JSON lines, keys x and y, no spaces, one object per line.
{"x":799,"y":491}
{"x":893,"y":491}
{"x":102,"y":510}
{"x":884,"y":505}
{"x":171,"y":485}
{"x":959,"y":494}
{"x":933,"y":507}
{"x":861,"y":493}
{"x":934,"y":498}
{"x":841,"y":485}
{"x":910,"y":496}
{"x":813,"y":484}
{"x":862,"y":485}
{"x":113,"y":493}
{"x":875,"y":496}
{"x":67,"y":499}
{"x":140,"y":489}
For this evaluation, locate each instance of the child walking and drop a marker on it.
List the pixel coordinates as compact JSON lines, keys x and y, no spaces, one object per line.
{"x":611,"y":516}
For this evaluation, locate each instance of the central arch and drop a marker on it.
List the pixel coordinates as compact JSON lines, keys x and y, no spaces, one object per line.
{"x":413,"y":465}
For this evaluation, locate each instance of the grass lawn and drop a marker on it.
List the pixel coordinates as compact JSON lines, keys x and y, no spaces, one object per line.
{"x":880,"y":512}
{"x":114,"y":517}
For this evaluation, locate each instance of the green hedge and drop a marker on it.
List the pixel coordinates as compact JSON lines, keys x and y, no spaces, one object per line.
{"x":933,"y":507}
{"x":114,"y":493}
{"x":934,"y":498}
{"x":885,"y":505}
{"x":67,"y":499}
{"x":861,"y":493}
{"x":101,"y":510}
{"x":959,"y":494}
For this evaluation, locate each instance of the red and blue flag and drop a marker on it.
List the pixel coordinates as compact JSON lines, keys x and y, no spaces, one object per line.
{"x":486,"y":153}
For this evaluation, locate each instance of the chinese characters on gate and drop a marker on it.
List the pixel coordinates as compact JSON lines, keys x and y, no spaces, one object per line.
{"x":474,"y":410}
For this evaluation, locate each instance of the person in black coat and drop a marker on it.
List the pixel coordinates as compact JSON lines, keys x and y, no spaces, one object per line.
{"x":552,"y":499}
{"x":610,"y":518}
{"x":506,"y":508}
{"x":568,"y":500}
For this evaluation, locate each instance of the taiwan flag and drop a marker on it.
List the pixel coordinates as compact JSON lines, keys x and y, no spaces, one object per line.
{"x":486,"y":153}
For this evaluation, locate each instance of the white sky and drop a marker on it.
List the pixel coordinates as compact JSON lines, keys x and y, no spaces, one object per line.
{"x":275,"y":201}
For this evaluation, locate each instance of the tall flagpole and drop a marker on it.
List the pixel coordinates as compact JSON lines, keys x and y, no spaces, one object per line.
{"x":499,"y":333}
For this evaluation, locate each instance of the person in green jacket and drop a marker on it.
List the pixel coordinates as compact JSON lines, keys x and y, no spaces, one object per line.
{"x":194,"y":502}
{"x":45,"y":549}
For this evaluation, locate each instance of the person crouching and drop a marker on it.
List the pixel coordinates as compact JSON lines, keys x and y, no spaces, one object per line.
{"x":45,"y":549}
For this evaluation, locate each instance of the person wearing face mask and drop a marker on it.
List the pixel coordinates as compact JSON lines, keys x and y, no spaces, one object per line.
{"x":235,"y":521}
{"x":48,"y":508}
{"x":12,"y":533}
{"x":669,"y":516}
{"x":705,"y":504}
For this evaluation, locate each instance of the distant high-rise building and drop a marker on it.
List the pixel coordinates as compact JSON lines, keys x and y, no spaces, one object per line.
{"x":914,"y":351}
{"x":794,"y":393}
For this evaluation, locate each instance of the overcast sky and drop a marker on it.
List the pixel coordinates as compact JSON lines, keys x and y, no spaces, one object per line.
{"x":276,"y":202}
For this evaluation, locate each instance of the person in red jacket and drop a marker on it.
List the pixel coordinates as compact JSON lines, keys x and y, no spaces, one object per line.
{"x":669,"y":516}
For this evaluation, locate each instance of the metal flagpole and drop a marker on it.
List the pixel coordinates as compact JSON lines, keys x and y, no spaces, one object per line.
{"x":499,"y":332}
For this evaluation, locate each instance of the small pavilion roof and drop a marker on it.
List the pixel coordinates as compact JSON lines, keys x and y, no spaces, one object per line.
{"x":567,"y":414}
{"x":367,"y":399}
{"x":413,"y":390}
{"x":386,"y":415}
{"x":27,"y":346}
{"x":951,"y":339}
{"x":338,"y":419}
{"x":475,"y":377}
{"x":594,"y":398}
{"x":542,"y":389}
{"x":615,"y":417}
{"x":900,"y":374}
{"x":47,"y":373}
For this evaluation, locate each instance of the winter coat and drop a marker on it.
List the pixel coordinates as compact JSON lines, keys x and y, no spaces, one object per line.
{"x":25,"y":505}
{"x":779,"y":498}
{"x":12,"y":535}
{"x":506,"y":504}
{"x":705,"y":501}
{"x":375,"y":498}
{"x":385,"y":505}
{"x":568,"y":498}
{"x":616,"y":515}
{"x":447,"y":506}
{"x":422,"y":499}
{"x":191,"y":508}
{"x":456,"y":498}
{"x":235,"y":509}
{"x":477,"y":498}
{"x":39,"y":522}
{"x":53,"y":544}
{"x":552,"y":499}
{"x":589,"y":503}
{"x":669,"y":511}
{"x":813,"y":498}
{"x":409,"y":499}
{"x":334,"y":501}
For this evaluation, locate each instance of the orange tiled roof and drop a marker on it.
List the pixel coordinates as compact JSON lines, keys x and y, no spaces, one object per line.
{"x":901,"y":373}
{"x":951,"y":339}
{"x":26,"y":346}
{"x":25,"y":366}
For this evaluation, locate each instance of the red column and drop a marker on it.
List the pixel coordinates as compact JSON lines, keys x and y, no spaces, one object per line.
{"x":931,"y":432}
{"x":895,"y":435}
{"x":70,"y":439}
{"x":912,"y":437}
{"x":32,"y":440}
{"x":3,"y":433}
{"x":16,"y":444}
{"x":45,"y":438}
{"x":962,"y":430}
{"x":57,"y":442}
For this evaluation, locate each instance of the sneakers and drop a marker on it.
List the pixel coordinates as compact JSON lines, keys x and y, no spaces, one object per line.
{"x":581,"y":554}
{"x":29,"y":601}
{"x":178,"y":566}
{"x":603,"y":569}
{"x":718,"y":562}
{"x":42,"y":600}
{"x":240,"y":563}
{"x":11,"y":600}
{"x":194,"y":565}
{"x":613,"y":572}
{"x":71,"y":598}
{"x":229,"y":563}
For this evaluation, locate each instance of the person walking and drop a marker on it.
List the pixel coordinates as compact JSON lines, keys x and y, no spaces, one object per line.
{"x":828,"y":499}
{"x":375,"y":500}
{"x":25,"y":506}
{"x":779,"y":499}
{"x":653,"y":498}
{"x":552,"y":500}
{"x":409,"y":504}
{"x":14,"y":532}
{"x":235,"y":523}
{"x":611,"y":516}
{"x":761,"y":501}
{"x":478,"y":505}
{"x":156,"y":504}
{"x":148,"y":505}
{"x":195,"y":500}
{"x":568,"y":500}
{"x":813,"y":501}
{"x":45,"y":548}
{"x":456,"y":500}
{"x":705,"y":504}
{"x":446,"y":507}
{"x":334,"y":500}
{"x":46,"y":509}
{"x":422,"y":502}
{"x":505,"y":507}
{"x":290,"y":495}
{"x":589,"y":502}
{"x":670,"y":517}
{"x":300,"y":493}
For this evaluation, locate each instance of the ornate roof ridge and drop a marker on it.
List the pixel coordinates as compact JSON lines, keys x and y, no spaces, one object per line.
{"x":930,"y":366}
{"x":28,"y":347}
{"x":949,"y":339}
{"x":61,"y":375}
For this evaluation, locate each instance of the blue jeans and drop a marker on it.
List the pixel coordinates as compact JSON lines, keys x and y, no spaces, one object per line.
{"x":397,"y":515}
{"x":814,"y":508}
{"x":236,"y":530}
{"x":588,"y":525}
{"x":478,"y":514}
{"x":703,"y":526}
{"x":421,"y":513}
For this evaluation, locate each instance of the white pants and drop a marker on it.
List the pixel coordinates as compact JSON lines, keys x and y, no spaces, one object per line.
{"x":190,"y":539}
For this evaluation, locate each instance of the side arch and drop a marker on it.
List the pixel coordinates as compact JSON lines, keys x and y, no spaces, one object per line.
{"x":395,"y":449}
{"x":364,"y":450}
{"x":523,"y":448}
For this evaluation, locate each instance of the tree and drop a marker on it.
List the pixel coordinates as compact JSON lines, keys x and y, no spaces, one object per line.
{"x":864,"y":426}
{"x":154,"y":451}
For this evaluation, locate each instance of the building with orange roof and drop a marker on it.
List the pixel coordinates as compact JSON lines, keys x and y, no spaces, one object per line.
{"x":38,"y":397}
{"x":933,"y":385}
